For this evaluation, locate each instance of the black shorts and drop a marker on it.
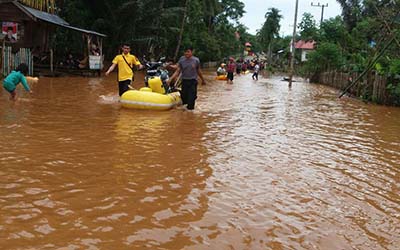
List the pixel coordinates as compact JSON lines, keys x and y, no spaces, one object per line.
{"x":230,"y":76}
{"x":123,"y":86}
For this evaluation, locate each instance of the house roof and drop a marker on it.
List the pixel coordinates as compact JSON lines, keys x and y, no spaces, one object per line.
{"x":53,"y":19}
{"x":305,"y":44}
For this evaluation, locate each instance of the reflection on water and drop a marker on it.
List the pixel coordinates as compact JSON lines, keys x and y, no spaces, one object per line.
{"x":256,"y":166}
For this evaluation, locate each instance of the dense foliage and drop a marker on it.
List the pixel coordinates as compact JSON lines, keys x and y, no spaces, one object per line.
{"x":158,"y":27}
{"x":163,"y":27}
{"x":352,"y":41}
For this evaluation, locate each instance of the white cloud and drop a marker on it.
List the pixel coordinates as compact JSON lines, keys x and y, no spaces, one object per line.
{"x":256,"y":9}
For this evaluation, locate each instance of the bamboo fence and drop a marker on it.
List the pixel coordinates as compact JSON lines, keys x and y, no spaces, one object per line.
{"x":11,"y":60}
{"x":372,"y":86}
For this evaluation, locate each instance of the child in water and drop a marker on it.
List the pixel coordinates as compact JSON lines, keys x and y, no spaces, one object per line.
{"x":14,"y":78}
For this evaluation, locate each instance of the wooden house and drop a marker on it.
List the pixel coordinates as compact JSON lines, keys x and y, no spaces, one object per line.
{"x":29,"y":33}
{"x":305,"y":47}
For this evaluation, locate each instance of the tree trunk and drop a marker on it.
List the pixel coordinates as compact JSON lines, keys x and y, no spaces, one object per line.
{"x":269,"y":52}
{"x":178,"y":46}
{"x":158,"y":25}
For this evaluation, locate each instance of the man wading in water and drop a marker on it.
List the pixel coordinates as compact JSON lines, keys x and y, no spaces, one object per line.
{"x":189,"y":66}
{"x":125,"y":63}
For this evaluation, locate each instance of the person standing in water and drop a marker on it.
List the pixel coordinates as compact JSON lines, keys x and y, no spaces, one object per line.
{"x":231,"y":70}
{"x":189,"y":66}
{"x":256,"y":70}
{"x":14,"y":78}
{"x":125,"y":62}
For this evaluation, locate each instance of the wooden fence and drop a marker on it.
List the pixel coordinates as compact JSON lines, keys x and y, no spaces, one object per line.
{"x":372,"y":87}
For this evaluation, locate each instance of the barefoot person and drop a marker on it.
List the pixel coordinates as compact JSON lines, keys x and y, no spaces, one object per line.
{"x":14,"y":78}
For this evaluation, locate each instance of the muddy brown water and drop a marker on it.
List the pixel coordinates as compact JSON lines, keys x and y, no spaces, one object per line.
{"x":256,"y":166}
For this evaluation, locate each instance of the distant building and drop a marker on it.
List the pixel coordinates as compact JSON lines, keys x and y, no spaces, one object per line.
{"x":305,"y":47}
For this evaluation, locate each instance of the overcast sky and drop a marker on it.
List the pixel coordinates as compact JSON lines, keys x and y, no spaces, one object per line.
{"x":256,"y":9}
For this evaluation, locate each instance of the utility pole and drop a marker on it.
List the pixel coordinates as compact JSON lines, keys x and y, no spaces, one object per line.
{"x":322,"y":12}
{"x":292,"y":45}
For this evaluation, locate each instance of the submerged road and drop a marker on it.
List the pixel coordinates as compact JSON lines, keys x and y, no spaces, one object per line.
{"x":255,"y":166}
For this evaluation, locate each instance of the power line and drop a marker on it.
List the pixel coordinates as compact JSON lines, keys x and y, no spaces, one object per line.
{"x":322,"y":12}
{"x":292,"y":45}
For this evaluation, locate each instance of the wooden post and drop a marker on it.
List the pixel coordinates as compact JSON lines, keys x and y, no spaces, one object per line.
{"x":293,"y":45}
{"x":2,"y":56}
{"x":51,"y":60}
{"x":100,"y":40}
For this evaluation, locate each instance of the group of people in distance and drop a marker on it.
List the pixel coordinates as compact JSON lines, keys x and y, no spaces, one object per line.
{"x":73,"y":63}
{"x":239,"y":67}
{"x":188,"y":67}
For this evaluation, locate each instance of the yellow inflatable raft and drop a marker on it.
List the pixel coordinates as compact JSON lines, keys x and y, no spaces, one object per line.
{"x":145,"y":98}
{"x":152,"y":97}
{"x":221,"y":77}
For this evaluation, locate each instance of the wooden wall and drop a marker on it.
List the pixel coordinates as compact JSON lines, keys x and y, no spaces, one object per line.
{"x":31,"y":33}
{"x":11,"y":13}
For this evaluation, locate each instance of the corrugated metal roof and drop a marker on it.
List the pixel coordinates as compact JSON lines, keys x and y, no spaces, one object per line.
{"x":305,"y":44}
{"x":54,"y":19}
{"x":44,"y":16}
{"x":84,"y":31}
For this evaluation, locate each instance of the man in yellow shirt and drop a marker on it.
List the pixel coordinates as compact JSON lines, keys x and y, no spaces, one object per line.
{"x":125,"y":63}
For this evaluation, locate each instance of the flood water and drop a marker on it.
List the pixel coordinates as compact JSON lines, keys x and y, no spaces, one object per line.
{"x":256,"y":166}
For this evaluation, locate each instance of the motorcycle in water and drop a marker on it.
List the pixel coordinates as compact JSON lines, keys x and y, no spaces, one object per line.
{"x":156,"y":77}
{"x":157,"y":94}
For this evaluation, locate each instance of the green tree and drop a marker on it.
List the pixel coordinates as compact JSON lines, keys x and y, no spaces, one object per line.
{"x":326,"y":57}
{"x":157,"y":27}
{"x":333,"y":30}
{"x":351,"y":12}
{"x":270,"y":29}
{"x":308,"y":28}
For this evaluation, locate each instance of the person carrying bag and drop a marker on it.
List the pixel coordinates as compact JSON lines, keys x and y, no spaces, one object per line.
{"x":125,"y":62}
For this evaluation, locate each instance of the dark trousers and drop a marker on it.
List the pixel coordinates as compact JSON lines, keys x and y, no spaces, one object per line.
{"x":255,"y":75}
{"x":189,"y":92}
{"x":123,"y":86}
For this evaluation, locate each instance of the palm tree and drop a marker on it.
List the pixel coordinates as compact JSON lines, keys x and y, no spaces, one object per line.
{"x":270,"y":29}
